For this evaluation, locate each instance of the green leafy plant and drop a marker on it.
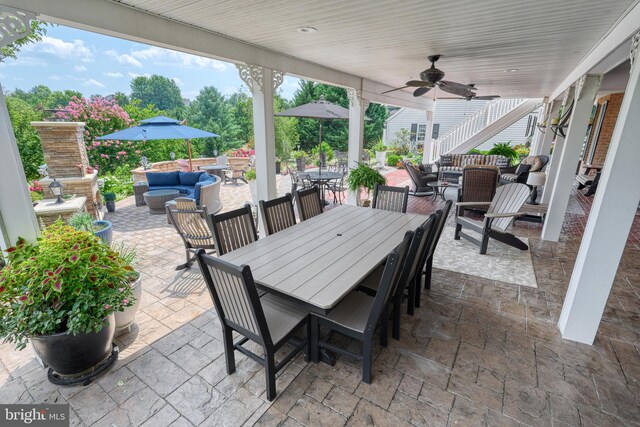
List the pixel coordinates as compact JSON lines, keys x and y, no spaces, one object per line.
{"x":522,"y":150}
{"x":476,"y":151}
{"x":364,"y":176}
{"x":299,"y":154}
{"x":505,"y":149}
{"x":81,"y":221}
{"x":36,"y":196}
{"x":109,"y":196}
{"x":379,"y":146}
{"x":393,"y":159}
{"x":250,"y":175}
{"x":402,"y":142}
{"x":326,"y":149}
{"x":68,"y":282}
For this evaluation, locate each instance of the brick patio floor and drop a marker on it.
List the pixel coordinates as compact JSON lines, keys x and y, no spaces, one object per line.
{"x":478,"y":352}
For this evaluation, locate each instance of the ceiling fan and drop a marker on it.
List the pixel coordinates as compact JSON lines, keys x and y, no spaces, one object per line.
{"x":432,"y":77}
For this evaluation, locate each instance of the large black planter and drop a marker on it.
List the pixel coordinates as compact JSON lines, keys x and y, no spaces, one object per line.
{"x":277,"y":167}
{"x":75,"y":356}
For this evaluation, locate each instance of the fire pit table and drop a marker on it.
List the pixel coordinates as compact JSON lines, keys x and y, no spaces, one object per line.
{"x":157,"y":198}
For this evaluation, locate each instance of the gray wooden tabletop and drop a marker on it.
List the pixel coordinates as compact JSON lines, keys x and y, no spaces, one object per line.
{"x":319,"y":261}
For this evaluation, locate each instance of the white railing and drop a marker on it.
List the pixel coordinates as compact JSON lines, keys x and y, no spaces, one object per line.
{"x":472,"y":125}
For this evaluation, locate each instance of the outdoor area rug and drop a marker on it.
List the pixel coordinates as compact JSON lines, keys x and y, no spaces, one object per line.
{"x":502,"y":262}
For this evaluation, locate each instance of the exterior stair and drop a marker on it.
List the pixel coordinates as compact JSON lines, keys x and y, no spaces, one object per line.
{"x":482,"y":125}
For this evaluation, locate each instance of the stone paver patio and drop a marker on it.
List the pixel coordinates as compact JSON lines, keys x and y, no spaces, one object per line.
{"x":477,"y":352}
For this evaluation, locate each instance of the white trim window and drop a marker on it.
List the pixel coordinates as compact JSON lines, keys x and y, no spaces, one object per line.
{"x":421,"y":134}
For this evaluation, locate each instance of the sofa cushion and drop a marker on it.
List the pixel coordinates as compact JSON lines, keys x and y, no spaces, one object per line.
{"x":190,"y":178}
{"x":155,"y":179}
{"x":522,"y":168}
{"x":446,"y":160}
{"x":509,"y":177}
{"x":537,"y":165}
{"x":205,"y":177}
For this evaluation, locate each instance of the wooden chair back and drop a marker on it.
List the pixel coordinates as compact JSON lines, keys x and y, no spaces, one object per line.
{"x":233,"y":229}
{"x":309,"y":203}
{"x":277,"y":214}
{"x":235,"y":296}
{"x":191,"y":224}
{"x":509,"y":198}
{"x":479,"y":184}
{"x":390,"y":198}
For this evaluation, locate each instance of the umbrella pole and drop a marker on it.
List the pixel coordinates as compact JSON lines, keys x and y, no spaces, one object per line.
{"x":189,"y":150}
{"x":320,"y":148}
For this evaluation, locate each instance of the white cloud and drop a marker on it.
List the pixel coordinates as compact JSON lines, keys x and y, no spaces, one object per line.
{"x":124,"y":59}
{"x":79,"y":68}
{"x":168,"y":57}
{"x":55,"y":77}
{"x":178,"y":81}
{"x":134,"y":75}
{"x":92,"y":82}
{"x":230,"y":90}
{"x":113,"y":74}
{"x":75,"y":50}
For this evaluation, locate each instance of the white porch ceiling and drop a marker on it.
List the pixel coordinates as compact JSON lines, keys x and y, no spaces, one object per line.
{"x":389,"y":41}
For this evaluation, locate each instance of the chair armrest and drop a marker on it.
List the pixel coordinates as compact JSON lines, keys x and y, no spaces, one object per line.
{"x":503,"y":215}
{"x":472,"y":203}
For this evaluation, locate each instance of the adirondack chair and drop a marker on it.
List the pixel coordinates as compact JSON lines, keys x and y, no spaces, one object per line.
{"x":503,"y":209}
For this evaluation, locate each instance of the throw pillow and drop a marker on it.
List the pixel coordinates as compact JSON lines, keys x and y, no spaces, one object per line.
{"x":537,"y":165}
{"x":446,"y":160}
{"x":425,"y":168}
{"x":190,"y":178}
{"x":522,"y":168}
{"x":502,"y":162}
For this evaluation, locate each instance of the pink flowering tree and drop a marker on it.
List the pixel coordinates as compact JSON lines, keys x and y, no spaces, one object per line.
{"x":103,"y":116}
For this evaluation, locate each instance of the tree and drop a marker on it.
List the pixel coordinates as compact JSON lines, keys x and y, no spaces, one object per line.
{"x":159,"y":91}
{"x":59,"y":99}
{"x":212,"y":112}
{"x":242,"y":112}
{"x":38,"y":29}
{"x":101,"y":117}
{"x":28,"y":140}
{"x":41,"y":97}
{"x":286,"y":130}
{"x":121,"y":98}
{"x":374,"y":127}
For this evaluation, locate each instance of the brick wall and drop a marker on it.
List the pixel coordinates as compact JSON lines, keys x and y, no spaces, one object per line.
{"x":63,"y":146}
{"x":87,"y":186}
{"x":606,"y":130}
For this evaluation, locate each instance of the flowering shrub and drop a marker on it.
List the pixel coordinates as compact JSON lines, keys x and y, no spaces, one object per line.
{"x":69,"y":282}
{"x":103,"y":116}
{"x":36,"y":187}
{"x":241,"y":152}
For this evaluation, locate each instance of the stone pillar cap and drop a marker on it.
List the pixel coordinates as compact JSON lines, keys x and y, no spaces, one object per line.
{"x":58,"y":124}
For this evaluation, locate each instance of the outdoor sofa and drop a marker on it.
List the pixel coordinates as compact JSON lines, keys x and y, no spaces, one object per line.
{"x":450,"y":165}
{"x":189,"y":184}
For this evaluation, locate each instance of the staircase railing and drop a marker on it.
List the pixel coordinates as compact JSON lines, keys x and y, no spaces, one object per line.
{"x":472,"y":125}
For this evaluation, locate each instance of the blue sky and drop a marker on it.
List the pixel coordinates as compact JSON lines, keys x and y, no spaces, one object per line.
{"x":91,"y":63}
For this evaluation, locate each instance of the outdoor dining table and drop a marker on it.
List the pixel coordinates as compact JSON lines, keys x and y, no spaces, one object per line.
{"x":217,"y":170}
{"x":317,"y":262}
{"x":321,"y":178}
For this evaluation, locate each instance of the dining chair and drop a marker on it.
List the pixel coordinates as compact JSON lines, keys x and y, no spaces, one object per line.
{"x":233,"y":229}
{"x":277,"y":214}
{"x":191,"y":224}
{"x":390,"y":198}
{"x":358,"y":314}
{"x":442,"y":215}
{"x":309,"y":202}
{"x":337,"y":187}
{"x":269,"y":321}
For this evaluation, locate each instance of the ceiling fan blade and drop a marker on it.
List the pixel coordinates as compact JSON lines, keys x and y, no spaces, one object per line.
{"x":465,"y":93}
{"x":421,"y":91}
{"x":393,"y":90}
{"x":457,"y":85}
{"x":486,"y":97}
{"x":418,"y":83}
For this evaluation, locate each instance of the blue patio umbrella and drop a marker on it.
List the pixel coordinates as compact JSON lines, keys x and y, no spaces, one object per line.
{"x":160,"y":127}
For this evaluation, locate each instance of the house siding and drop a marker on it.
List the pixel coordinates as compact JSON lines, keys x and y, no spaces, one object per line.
{"x":449,"y":113}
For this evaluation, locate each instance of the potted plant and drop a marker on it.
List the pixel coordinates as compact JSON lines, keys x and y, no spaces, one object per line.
{"x":110,"y":201}
{"x":361,"y":177}
{"x":84,"y":222}
{"x":250,"y":176}
{"x":61,"y":294}
{"x":301,"y":160}
{"x":381,"y":153}
{"x":125,"y":318}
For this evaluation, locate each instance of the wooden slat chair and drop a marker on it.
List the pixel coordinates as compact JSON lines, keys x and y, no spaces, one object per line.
{"x":192,"y":227}
{"x":502,"y":210}
{"x":233,"y":229}
{"x":479,"y":184}
{"x":268,"y":321}
{"x":358,"y":314}
{"x":309,"y":203}
{"x":277,"y":214}
{"x":427,"y":262}
{"x":389,"y":198}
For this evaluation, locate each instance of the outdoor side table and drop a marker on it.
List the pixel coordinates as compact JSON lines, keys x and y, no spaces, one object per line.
{"x":440,"y":187}
{"x":217,"y":170}
{"x":156,"y":200}
{"x":139,"y":188}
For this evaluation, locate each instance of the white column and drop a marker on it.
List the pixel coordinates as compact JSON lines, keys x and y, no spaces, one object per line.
{"x":576,"y":132}
{"x":554,"y":160}
{"x":17,"y":218}
{"x":614,"y":207}
{"x":427,"y":152}
{"x":544,"y":148}
{"x":357,"y":107}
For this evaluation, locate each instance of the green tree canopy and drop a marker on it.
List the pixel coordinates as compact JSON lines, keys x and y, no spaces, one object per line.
{"x":38,"y":29}
{"x":159,"y":91}
{"x":28,"y":140}
{"x":41,"y":97}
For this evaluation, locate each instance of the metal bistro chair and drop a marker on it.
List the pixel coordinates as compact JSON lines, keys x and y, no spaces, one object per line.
{"x":233,"y":229}
{"x":268,"y":321}
{"x":390,"y":198}
{"x":358,"y":314}
{"x":309,"y":203}
{"x":502,"y":210}
{"x":277,"y":214}
{"x":192,"y":227}
{"x":337,"y":187}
